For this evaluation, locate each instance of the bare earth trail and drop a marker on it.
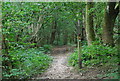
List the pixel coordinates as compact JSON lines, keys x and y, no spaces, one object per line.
{"x":59,"y":68}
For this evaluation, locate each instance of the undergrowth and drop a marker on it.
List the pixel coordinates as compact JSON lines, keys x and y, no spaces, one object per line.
{"x":98,"y":56}
{"x":26,"y":62}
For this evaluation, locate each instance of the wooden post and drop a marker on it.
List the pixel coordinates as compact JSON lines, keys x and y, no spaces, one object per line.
{"x":79,"y":51}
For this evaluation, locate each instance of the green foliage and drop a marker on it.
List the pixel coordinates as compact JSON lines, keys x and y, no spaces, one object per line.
{"x":73,"y":59}
{"x":47,"y":48}
{"x":28,"y":25}
{"x":21,"y":20}
{"x":113,"y":75}
{"x":26,"y":63}
{"x":98,"y":56}
{"x":95,"y":55}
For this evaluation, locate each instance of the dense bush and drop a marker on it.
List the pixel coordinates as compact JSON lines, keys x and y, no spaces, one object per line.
{"x":47,"y":48}
{"x":95,"y":55}
{"x":98,"y":55}
{"x":26,"y":63}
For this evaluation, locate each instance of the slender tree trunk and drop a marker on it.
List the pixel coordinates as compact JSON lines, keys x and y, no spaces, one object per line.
{"x":58,"y":37}
{"x":83,"y":29}
{"x":79,"y":52}
{"x":118,"y":42}
{"x":75,"y":39}
{"x":79,"y":40}
{"x":109,"y":21}
{"x":6,"y":54}
{"x":89,"y":23}
{"x":65,"y":38}
{"x":53,"y":32}
{"x":1,"y":40}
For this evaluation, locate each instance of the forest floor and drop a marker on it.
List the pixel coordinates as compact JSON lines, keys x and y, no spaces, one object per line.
{"x":60,"y":69}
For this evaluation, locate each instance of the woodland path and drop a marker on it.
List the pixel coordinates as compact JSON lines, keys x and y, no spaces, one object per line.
{"x":60,"y":69}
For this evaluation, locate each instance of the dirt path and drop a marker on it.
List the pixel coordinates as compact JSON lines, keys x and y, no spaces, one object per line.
{"x":59,"y":69}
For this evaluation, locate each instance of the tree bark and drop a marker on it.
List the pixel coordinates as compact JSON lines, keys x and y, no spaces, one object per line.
{"x":53,"y":32}
{"x":0,"y":40}
{"x":6,"y":54}
{"x":109,"y":21}
{"x":89,"y":23}
{"x":79,"y":52}
{"x":79,"y":40}
{"x":65,"y":38}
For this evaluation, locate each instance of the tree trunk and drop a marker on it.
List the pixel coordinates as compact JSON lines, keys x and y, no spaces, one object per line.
{"x":58,"y":37}
{"x":118,"y":41}
{"x":79,"y":52}
{"x":79,"y":40}
{"x":109,"y":20}
{"x":75,"y":39}
{"x":65,"y":38}
{"x":6,"y":54}
{"x":89,"y":23}
{"x":53,"y":32}
{"x":83,"y":29}
{"x":0,"y":40}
